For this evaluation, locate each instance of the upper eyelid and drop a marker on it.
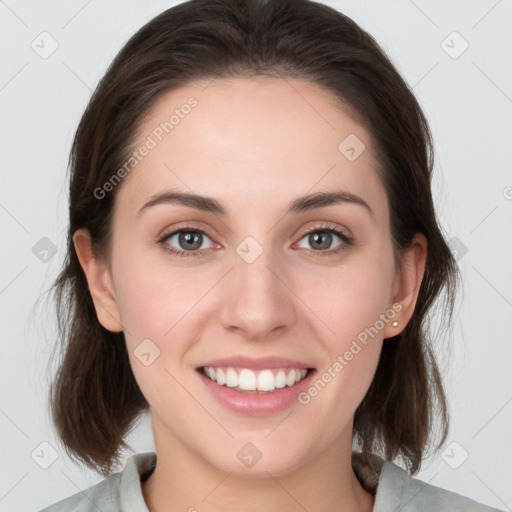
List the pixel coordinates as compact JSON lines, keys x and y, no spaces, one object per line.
{"x":167,"y":234}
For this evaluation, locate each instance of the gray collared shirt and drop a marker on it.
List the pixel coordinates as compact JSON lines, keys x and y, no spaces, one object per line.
{"x":394,"y":489}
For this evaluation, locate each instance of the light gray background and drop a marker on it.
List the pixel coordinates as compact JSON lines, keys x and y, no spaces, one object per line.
{"x":468,"y":101}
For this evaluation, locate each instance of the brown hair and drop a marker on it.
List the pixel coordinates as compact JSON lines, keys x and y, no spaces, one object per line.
{"x":94,"y":398}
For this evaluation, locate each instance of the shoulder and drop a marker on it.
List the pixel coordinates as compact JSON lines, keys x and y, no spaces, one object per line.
{"x":397,"y":490}
{"x":113,"y":493}
{"x":103,"y":496}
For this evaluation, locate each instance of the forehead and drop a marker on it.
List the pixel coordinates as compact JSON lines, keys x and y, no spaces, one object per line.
{"x":253,"y":142}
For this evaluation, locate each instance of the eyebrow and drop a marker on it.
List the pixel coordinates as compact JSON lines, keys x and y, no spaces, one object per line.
{"x":301,"y":204}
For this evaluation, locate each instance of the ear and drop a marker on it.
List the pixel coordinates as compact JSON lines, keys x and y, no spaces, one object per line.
{"x":99,"y":280}
{"x":407,"y":284}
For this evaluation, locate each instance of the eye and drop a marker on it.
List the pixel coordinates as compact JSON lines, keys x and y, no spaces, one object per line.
{"x":187,"y":241}
{"x":320,"y":239}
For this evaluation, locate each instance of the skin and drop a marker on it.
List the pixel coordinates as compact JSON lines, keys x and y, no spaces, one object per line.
{"x":254,"y":144}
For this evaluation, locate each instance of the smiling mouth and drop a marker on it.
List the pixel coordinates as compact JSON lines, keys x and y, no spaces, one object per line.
{"x":263,"y":381}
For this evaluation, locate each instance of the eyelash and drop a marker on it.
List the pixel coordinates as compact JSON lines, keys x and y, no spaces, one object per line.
{"x":326,"y":228}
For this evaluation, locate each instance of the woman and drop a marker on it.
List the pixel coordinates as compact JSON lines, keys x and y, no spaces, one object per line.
{"x":252,"y":254}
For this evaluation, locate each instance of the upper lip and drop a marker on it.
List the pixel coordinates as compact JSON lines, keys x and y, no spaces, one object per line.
{"x":254,"y":363}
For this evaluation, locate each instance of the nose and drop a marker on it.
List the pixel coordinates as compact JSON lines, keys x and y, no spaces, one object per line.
{"x":258,"y":301}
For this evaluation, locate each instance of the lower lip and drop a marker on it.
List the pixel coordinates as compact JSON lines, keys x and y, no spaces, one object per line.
{"x":253,"y":404}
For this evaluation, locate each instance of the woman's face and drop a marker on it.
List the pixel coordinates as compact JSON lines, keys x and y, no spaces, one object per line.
{"x":249,"y":280}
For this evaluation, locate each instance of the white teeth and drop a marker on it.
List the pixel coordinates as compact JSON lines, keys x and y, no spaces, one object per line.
{"x":219,"y":376}
{"x":280,"y":379}
{"x":290,"y":379}
{"x":247,"y":380}
{"x":231,"y":378}
{"x":264,"y":380}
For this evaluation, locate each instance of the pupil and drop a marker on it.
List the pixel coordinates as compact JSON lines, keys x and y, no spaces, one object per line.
{"x":189,"y":238}
{"x":317,"y":237}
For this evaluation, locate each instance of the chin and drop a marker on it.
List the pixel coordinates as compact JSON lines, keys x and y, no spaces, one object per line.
{"x":253,"y":459}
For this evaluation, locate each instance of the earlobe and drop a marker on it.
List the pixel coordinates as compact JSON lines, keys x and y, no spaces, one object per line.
{"x":99,"y":280}
{"x":407,"y":284}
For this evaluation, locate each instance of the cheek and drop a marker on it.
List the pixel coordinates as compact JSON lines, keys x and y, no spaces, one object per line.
{"x":152,"y":301}
{"x":352,"y":306}
{"x":348,"y":299}
{"x":156,"y":309}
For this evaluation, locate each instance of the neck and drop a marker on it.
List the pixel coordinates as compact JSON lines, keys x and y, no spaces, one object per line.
{"x":184,"y":481}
